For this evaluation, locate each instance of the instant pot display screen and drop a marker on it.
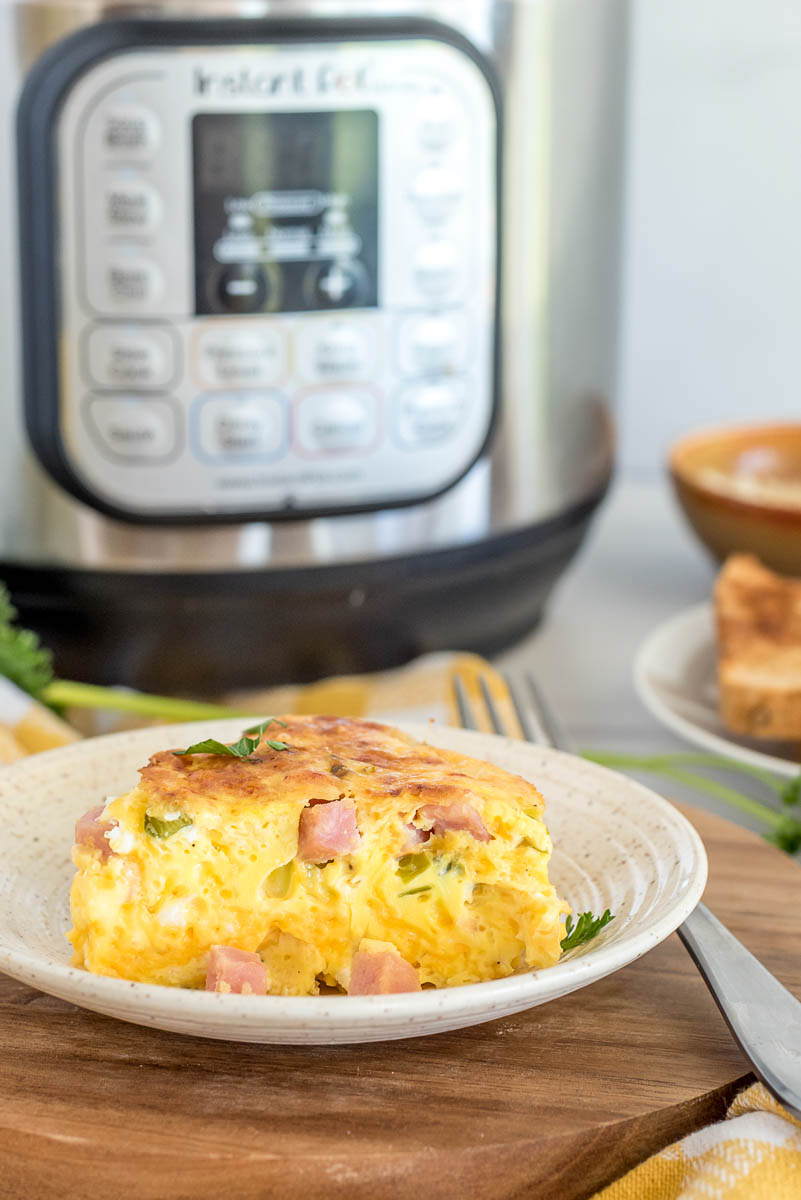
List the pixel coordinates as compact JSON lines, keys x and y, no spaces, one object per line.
{"x":286,"y":211}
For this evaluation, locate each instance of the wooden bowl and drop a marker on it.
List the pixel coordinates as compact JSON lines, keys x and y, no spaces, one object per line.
{"x":740,"y":489}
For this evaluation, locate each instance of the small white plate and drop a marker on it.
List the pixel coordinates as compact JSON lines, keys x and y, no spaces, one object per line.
{"x":675,"y":674}
{"x":617,"y":845}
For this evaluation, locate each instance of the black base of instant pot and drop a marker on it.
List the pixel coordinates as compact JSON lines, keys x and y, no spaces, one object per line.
{"x":203,"y":634}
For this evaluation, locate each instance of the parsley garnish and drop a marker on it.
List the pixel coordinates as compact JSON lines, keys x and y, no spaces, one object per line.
{"x":22,"y":659}
{"x":791,"y":792}
{"x":586,"y":928}
{"x":787,"y":834}
{"x":241,"y":749}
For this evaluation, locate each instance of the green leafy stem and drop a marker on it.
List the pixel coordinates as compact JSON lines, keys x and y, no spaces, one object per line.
{"x":784,"y":828}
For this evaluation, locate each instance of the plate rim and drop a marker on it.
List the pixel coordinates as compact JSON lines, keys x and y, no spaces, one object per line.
{"x":323,"y":1014}
{"x":683,"y":726}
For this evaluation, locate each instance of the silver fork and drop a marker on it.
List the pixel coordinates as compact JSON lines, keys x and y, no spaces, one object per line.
{"x":763,"y":1016}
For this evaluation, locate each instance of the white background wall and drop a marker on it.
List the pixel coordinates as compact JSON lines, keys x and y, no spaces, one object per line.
{"x":712,"y":278}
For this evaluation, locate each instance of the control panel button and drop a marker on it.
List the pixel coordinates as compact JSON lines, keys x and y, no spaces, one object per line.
{"x":133,"y":429}
{"x":438,"y":120}
{"x":429,"y":413}
{"x":119,"y":357}
{"x":433,"y":343}
{"x":335,"y":349}
{"x":133,"y":282}
{"x":436,"y":192}
{"x":337,"y":285}
{"x":252,"y":357}
{"x":240,"y":425}
{"x":436,"y":269}
{"x":132,"y":206}
{"x":131,"y":131}
{"x":334,"y":421}
{"x":243,"y":288}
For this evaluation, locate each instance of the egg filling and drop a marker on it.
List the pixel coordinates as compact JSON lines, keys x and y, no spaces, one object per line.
{"x":355,"y":834}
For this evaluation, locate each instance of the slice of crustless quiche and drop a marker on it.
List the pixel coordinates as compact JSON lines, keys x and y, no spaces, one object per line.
{"x":336,"y":852}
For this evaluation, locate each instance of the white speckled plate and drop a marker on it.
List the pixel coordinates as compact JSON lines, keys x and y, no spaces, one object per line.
{"x":618,"y":845}
{"x":675,"y":674}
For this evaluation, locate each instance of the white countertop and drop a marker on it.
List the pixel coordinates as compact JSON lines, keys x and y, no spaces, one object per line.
{"x":639,"y":565}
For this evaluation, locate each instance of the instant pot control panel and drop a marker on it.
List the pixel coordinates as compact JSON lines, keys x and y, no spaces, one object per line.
{"x":273,"y":270}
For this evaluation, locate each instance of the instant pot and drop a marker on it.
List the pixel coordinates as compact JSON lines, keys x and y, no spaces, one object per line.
{"x":317,"y":307}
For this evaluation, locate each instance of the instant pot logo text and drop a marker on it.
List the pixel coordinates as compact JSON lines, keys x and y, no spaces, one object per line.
{"x":323,"y":79}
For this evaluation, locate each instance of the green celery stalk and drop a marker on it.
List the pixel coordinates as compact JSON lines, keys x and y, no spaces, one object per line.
{"x":671,"y":766}
{"x":64,"y":693}
{"x":657,"y":762}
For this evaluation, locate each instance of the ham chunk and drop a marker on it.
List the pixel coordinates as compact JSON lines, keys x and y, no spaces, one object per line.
{"x":459,"y":816}
{"x":91,"y":831}
{"x":232,"y":970}
{"x":415,"y":836}
{"x":326,"y":831}
{"x":378,"y":970}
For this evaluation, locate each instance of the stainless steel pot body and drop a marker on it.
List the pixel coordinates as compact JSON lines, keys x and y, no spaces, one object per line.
{"x":462,"y":393}
{"x":559,"y":66}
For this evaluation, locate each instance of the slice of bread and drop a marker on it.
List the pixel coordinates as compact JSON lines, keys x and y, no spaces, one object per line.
{"x":758,"y":615}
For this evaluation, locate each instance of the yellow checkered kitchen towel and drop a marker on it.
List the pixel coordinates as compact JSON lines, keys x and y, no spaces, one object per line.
{"x":421,"y":691}
{"x":27,"y":727}
{"x":755,"y":1154}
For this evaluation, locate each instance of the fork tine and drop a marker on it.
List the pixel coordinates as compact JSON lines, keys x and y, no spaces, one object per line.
{"x":536,"y":720}
{"x":531,"y":729}
{"x":491,"y":706}
{"x":553,"y":735}
{"x":466,"y":718}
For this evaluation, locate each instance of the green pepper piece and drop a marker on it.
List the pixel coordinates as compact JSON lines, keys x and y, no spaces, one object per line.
{"x":279,"y":881}
{"x":160,"y":827}
{"x":412,"y":865}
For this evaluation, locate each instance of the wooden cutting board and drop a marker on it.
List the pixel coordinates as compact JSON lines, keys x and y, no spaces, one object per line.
{"x":550,"y":1104}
